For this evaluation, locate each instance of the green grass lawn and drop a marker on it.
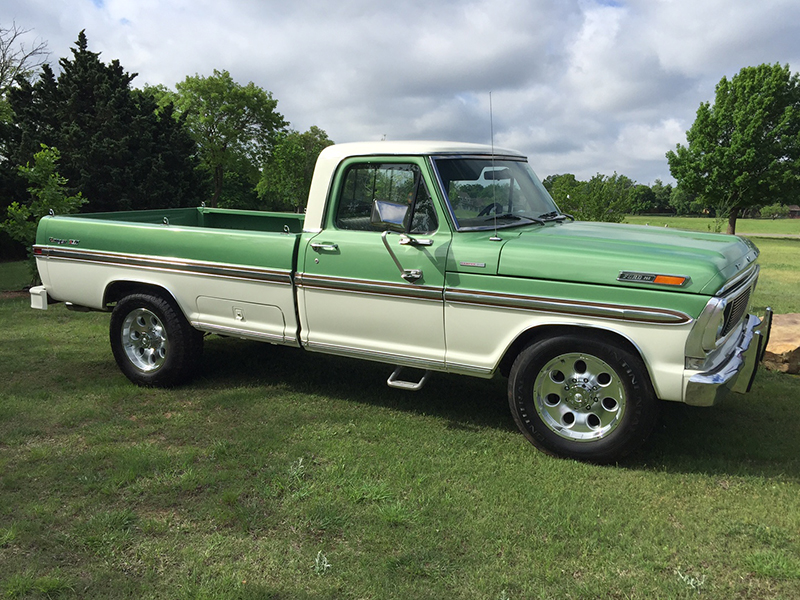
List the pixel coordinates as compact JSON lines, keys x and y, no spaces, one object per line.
{"x":284,"y":474}
{"x":743,"y":226}
{"x":13,"y":275}
{"x":779,"y":282}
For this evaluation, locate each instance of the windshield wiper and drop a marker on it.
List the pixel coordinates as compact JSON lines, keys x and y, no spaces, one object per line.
{"x":513,"y":217}
{"x":555,"y":216}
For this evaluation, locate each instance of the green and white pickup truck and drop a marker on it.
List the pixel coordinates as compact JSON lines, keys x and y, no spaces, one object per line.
{"x":430,"y":256}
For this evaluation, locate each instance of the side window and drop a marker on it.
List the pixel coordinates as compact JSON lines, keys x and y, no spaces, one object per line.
{"x":398,"y":183}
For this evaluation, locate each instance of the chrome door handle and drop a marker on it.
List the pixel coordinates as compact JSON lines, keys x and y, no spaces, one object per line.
{"x":319,"y":247}
{"x":411,"y":274}
{"x":407,"y":240}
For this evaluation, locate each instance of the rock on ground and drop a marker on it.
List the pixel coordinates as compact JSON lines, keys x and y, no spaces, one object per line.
{"x":783,"y":349}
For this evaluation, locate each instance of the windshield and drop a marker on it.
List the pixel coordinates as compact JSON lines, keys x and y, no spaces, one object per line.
{"x":484,"y":193}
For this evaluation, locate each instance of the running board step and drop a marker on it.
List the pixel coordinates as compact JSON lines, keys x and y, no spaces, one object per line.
{"x":411,"y":386}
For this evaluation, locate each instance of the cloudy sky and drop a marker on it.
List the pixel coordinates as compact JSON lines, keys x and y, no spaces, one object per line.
{"x":580,"y":86}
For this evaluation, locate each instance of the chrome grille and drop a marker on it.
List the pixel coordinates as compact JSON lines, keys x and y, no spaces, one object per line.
{"x":735,"y":310}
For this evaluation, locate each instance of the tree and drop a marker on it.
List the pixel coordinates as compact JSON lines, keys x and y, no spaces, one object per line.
{"x":602,"y":198}
{"x":17,"y":60}
{"x":234,"y":126}
{"x":775,"y":211}
{"x":684,"y":202}
{"x":117,"y":149}
{"x":287,"y":175}
{"x":661,"y":194}
{"x":643,"y":199}
{"x":743,"y":150}
{"x":566,"y":190}
{"x":48,"y":191}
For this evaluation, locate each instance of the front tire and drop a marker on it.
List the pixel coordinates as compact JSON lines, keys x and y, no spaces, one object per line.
{"x":582,"y":398}
{"x":153,"y":343}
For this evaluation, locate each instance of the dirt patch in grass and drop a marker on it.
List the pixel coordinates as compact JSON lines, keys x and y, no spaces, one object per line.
{"x":10,"y":295}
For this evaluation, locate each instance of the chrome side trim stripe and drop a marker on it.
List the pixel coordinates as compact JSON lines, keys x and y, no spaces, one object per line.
{"x":463,"y":369}
{"x":620,"y":312}
{"x":570,"y":307}
{"x":380,"y":288}
{"x":243,"y":333}
{"x":178,"y":265}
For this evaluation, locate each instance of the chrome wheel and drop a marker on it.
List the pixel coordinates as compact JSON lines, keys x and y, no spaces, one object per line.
{"x":144,"y":339}
{"x":579,"y":396}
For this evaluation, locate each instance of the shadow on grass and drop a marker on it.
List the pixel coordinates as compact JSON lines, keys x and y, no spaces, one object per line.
{"x":756,"y":434}
{"x":466,"y":402}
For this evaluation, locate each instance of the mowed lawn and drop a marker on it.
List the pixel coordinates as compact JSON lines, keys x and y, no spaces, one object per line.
{"x":743,"y":226}
{"x":283,"y":474}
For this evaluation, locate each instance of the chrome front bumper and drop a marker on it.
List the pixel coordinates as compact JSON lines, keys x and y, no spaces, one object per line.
{"x":736,"y":374}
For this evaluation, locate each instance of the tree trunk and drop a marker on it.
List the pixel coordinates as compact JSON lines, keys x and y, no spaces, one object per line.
{"x":219,"y":175}
{"x":734,"y":214}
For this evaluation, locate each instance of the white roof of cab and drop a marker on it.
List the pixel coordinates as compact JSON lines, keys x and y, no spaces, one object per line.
{"x":411,"y":147}
{"x":332,"y":156}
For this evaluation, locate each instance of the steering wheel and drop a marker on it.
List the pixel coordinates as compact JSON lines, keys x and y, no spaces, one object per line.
{"x":494,"y":206}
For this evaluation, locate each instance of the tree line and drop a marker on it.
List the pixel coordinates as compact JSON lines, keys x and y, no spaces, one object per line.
{"x":91,"y":141}
{"x":611,"y":198}
{"x":741,"y":159}
{"x":86,"y":139}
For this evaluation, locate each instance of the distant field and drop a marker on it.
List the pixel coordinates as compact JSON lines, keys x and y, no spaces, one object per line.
{"x":779,"y":281}
{"x":743,"y":226}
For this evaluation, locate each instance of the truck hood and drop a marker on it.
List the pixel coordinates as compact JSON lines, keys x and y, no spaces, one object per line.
{"x":599,"y":252}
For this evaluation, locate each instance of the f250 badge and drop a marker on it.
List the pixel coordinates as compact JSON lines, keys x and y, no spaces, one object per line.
{"x":62,"y":242}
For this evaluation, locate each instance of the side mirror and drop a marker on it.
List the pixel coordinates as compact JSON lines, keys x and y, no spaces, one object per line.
{"x":389,"y":215}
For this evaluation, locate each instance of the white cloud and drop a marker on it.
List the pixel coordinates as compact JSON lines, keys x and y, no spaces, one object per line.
{"x":582,"y":86}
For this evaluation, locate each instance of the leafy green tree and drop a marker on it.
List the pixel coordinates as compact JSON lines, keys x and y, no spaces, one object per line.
{"x":566,"y":190}
{"x":238,"y":191}
{"x":235,"y":126}
{"x":602,"y":198}
{"x":661,"y":196}
{"x":743,"y":150}
{"x":286,"y":178}
{"x":17,"y":61}
{"x":116,"y":148}
{"x":608,"y":198}
{"x":643,"y":199}
{"x":775,"y":211}
{"x":684,"y":202}
{"x":48,"y":191}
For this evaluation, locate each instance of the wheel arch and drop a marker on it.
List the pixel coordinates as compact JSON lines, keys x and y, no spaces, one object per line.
{"x":117,"y":290}
{"x":534,"y":334}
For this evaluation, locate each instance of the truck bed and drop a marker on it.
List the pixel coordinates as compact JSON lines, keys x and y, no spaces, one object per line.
{"x":230,"y":271}
{"x":212,"y":218}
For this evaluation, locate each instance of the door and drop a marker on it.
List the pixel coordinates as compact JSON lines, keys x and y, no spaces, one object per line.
{"x":357,"y":297}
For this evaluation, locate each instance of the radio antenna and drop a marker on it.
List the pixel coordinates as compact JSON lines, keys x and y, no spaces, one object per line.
{"x":495,"y":237}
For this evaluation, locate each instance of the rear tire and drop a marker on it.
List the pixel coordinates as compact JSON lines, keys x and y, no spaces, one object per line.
{"x":153,"y":343}
{"x":583,"y":398}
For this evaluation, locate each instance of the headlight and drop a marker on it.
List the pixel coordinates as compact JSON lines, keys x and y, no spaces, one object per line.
{"x":715,"y":325}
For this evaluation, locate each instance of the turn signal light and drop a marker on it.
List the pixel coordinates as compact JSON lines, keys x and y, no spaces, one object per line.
{"x":670,"y":280}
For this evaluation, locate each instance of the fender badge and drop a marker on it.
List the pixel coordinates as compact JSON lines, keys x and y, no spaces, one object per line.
{"x":473,"y":264}
{"x":63,"y":242}
{"x":655,"y":278}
